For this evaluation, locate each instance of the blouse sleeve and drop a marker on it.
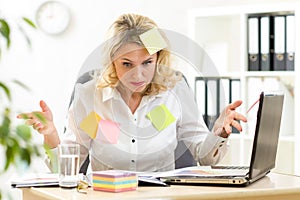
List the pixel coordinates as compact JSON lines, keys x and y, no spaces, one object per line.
{"x":81,"y":106}
{"x":206,"y":148}
{"x":72,"y":134}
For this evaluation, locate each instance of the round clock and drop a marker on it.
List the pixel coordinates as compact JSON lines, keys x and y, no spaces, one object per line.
{"x":53,"y":17}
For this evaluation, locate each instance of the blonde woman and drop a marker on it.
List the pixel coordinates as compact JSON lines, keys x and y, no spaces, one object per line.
{"x":143,"y":106}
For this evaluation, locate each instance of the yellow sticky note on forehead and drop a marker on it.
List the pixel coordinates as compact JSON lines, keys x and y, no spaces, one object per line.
{"x":153,"y":41}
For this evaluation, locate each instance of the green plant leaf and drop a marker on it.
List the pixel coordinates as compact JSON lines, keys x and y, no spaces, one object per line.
{"x":9,"y":157}
{"x":4,"y":130}
{"x":40,"y":117}
{"x":22,"y":85}
{"x":24,"y":132}
{"x":5,"y":127}
{"x":52,"y":157}
{"x":5,"y":31}
{"x":25,"y":155}
{"x":28,"y":21}
{"x":6,"y":90}
{"x":36,"y":150}
{"x":25,"y":35}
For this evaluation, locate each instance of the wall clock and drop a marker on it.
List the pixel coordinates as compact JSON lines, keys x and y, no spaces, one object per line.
{"x":53,"y":17}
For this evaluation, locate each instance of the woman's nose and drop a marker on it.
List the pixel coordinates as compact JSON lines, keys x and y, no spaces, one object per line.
{"x":138,"y":71}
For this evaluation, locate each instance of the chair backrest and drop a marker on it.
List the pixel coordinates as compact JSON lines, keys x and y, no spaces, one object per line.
{"x":183,"y":156}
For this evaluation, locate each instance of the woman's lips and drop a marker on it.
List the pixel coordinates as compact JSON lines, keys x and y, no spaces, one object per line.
{"x":138,"y":84}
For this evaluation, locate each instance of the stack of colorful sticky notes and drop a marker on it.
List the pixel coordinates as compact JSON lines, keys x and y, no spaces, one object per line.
{"x":114,"y":181}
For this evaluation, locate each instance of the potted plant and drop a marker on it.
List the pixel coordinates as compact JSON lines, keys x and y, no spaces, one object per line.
{"x":15,"y":139}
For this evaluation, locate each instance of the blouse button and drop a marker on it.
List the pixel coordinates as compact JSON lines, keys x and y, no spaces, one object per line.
{"x":132,"y":161}
{"x":133,"y":140}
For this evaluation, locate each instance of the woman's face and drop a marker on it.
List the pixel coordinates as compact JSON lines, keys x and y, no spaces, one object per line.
{"x":135,"y":67}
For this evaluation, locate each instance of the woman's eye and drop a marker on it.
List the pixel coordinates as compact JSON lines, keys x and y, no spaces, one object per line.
{"x":147,"y":62}
{"x":127,"y":64}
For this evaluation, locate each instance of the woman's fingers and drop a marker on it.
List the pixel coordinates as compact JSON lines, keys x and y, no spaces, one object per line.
{"x":231,"y":118}
{"x":37,"y":126}
{"x":237,"y":125}
{"x":44,"y":106}
{"x":30,"y":122}
{"x":42,"y":121}
{"x":25,"y":116}
{"x":32,"y":119}
{"x":241,"y":117}
{"x":235,"y":104}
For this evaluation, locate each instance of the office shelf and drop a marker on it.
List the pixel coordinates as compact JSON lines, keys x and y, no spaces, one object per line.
{"x":269,"y":74}
{"x":222,"y":33}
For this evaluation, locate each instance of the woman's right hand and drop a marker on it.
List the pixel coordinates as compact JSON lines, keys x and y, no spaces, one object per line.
{"x":42,"y":121}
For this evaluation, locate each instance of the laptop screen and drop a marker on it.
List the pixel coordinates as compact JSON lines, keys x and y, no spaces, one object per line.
{"x":266,"y":133}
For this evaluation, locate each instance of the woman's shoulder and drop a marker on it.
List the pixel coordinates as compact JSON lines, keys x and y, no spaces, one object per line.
{"x":86,"y":87}
{"x":181,"y":84}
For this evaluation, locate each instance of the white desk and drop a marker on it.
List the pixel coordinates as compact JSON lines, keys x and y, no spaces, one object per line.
{"x":273,"y":186}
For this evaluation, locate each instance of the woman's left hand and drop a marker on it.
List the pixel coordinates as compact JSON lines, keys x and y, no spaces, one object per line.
{"x":228,"y":118}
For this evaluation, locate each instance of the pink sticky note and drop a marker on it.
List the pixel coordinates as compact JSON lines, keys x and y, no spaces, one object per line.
{"x":108,"y":131}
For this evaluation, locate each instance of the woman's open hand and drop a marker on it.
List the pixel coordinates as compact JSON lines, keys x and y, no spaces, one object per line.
{"x":228,"y":118}
{"x":42,"y":121}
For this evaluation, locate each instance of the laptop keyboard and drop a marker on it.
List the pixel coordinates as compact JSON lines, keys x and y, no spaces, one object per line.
{"x":230,"y":167}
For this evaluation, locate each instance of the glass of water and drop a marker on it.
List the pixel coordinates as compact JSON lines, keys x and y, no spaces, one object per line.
{"x":68,"y":167}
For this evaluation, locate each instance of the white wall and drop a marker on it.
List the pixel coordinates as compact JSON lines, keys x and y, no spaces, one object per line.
{"x":49,"y":68}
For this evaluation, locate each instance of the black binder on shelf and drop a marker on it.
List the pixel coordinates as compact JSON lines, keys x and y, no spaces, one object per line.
{"x":265,"y":40}
{"x":290,"y":42}
{"x":271,"y":25}
{"x":253,"y":43}
{"x":279,"y":57}
{"x":208,"y":93}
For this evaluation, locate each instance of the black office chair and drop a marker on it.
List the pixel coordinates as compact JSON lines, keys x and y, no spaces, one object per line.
{"x":183,"y":157}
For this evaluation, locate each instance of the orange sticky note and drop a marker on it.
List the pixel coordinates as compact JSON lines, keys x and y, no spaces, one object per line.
{"x":108,"y":131}
{"x":90,"y":124}
{"x":161,"y":117}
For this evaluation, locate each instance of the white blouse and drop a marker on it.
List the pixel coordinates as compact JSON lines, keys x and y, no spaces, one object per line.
{"x":139,"y":144}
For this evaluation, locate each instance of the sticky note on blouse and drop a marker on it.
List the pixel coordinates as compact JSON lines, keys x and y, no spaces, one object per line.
{"x":90,"y":124}
{"x":153,"y":41}
{"x":161,"y":117}
{"x":108,"y":131}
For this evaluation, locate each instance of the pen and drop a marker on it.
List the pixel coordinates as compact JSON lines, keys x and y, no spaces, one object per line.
{"x":253,"y":105}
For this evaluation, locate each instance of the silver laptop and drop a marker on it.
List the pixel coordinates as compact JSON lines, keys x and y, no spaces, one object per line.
{"x":263,"y":151}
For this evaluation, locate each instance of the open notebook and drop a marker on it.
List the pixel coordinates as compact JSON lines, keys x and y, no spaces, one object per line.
{"x":263,"y":151}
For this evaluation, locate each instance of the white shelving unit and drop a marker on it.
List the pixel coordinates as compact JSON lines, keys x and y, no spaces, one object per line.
{"x":222,"y":33}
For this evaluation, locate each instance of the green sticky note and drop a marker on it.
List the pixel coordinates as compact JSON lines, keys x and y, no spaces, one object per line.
{"x":153,"y":41}
{"x":161,"y":117}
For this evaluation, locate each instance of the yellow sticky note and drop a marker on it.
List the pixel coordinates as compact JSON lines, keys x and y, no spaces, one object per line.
{"x":153,"y":41}
{"x":161,"y":117}
{"x":90,"y":124}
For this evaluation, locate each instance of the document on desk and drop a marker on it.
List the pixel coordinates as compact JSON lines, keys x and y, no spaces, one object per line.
{"x":35,"y":180}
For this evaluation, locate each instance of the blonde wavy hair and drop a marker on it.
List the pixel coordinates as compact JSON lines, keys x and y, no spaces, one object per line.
{"x":126,"y":29}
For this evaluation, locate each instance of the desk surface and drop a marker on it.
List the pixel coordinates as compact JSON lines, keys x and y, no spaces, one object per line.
{"x":273,"y":186}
